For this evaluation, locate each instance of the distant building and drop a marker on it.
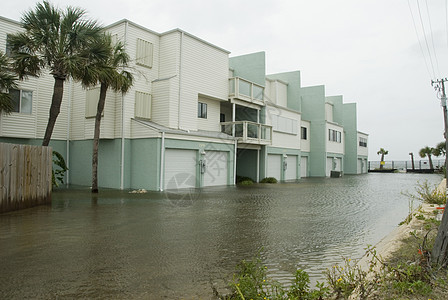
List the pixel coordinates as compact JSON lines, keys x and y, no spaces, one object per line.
{"x":193,"y":118}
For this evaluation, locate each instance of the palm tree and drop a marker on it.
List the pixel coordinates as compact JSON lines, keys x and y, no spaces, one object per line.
{"x":52,"y":40}
{"x":439,"y":149}
{"x":382,"y":152}
{"x":7,"y":81}
{"x":110,"y":73}
{"x":427,"y":151}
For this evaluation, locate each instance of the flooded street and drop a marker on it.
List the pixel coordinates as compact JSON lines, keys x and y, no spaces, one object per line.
{"x":176,"y":244}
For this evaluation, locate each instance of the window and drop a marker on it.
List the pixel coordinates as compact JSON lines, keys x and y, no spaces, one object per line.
{"x":142,"y":105}
{"x":303,"y":133}
{"x":334,"y":136}
{"x":8,"y":47}
{"x":92,"y":98}
{"x":144,"y":53}
{"x":362,"y":142}
{"x":202,"y":110}
{"x":284,"y":124}
{"x":222,"y":117}
{"x":22,"y":101}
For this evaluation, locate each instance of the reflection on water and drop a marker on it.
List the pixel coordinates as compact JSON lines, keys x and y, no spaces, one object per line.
{"x":175,"y":245}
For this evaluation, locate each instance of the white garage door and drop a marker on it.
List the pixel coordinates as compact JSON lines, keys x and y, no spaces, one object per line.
{"x":304,"y":166}
{"x":338,"y":166}
{"x":180,"y":168}
{"x":217,"y":168}
{"x":359,"y":171}
{"x":291,"y":171}
{"x":329,"y":165}
{"x":274,"y":166}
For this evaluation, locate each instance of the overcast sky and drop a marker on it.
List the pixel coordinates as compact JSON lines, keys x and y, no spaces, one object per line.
{"x":365,"y":50}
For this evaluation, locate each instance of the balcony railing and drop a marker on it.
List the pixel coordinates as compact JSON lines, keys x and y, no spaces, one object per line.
{"x":245,"y":89}
{"x":248,"y":132}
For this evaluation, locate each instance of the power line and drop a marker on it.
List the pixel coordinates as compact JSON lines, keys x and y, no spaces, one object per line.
{"x":419,"y":42}
{"x":426,"y":40}
{"x":432,"y":39}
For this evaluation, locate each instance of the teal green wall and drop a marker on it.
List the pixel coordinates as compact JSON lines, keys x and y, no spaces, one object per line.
{"x":109,"y":163}
{"x":313,"y":110}
{"x":145,"y":163}
{"x":351,"y":138}
{"x":294,"y":87}
{"x":250,"y":66}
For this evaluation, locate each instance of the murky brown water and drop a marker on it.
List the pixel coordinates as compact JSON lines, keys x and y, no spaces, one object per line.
{"x":175,"y":245}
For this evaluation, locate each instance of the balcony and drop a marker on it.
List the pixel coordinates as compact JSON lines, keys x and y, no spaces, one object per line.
{"x":245,"y":90}
{"x":248,"y":132}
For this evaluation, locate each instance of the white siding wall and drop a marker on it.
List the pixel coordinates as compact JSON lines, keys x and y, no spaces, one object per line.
{"x":276,"y":92}
{"x":334,"y":147}
{"x":280,"y":139}
{"x":282,"y":93}
{"x":143,"y":75}
{"x":305,"y":145}
{"x":364,"y":151}
{"x":213,"y":111}
{"x":204,"y":70}
{"x":32,"y":125}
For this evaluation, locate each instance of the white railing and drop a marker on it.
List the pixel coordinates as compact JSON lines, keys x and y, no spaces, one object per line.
{"x":245,"y":89}
{"x":248,"y":132}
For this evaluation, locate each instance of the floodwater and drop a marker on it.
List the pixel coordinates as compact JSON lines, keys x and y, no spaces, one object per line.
{"x":178,"y":244}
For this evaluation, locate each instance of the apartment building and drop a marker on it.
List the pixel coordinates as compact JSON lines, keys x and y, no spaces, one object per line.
{"x":194,"y":118}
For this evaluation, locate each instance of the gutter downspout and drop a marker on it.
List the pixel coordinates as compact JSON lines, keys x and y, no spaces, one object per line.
{"x":180,"y":79}
{"x":68,"y":130}
{"x":234,"y":162}
{"x":122,"y":120}
{"x":162,"y":162}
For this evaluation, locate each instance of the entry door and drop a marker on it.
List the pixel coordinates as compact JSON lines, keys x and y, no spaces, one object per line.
{"x":291,"y":171}
{"x":359,"y":171}
{"x":304,"y":166}
{"x":216,"y":172}
{"x":338,"y":166}
{"x":274,"y":166}
{"x":180,"y":168}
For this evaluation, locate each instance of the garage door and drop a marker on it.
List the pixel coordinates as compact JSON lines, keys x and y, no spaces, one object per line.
{"x":329,"y":165}
{"x":274,"y":166}
{"x":217,"y":168}
{"x":291,"y":171}
{"x":180,"y":168}
{"x":304,"y":166}
{"x":338,"y":166}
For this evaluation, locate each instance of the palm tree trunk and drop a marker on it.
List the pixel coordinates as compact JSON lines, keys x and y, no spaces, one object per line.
{"x":431,"y":166}
{"x":381,"y":162}
{"x":96,"y":137}
{"x":55,"y":108}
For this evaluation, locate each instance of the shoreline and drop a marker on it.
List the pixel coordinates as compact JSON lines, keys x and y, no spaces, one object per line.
{"x":393,"y":241}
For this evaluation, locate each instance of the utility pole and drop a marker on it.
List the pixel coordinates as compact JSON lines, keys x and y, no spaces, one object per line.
{"x":440,"y":249}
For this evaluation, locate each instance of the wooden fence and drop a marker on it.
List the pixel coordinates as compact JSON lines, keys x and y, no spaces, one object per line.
{"x":25,"y":176}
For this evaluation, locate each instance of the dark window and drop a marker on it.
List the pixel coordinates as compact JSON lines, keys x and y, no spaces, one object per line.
{"x":362,"y":142}
{"x":22,"y":101}
{"x":202,"y":110}
{"x":334,"y":136}
{"x":303,"y":133}
{"x":222,"y":117}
